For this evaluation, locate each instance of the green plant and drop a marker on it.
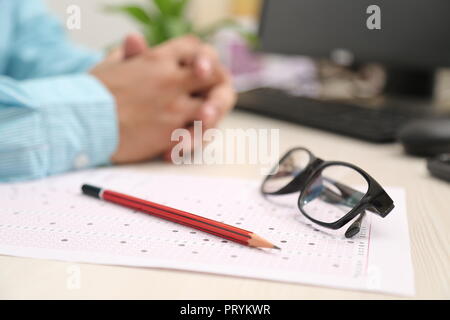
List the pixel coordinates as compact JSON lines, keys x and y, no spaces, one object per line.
{"x":161,"y":20}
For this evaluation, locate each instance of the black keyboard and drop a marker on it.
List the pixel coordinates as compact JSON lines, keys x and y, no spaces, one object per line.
{"x":377,"y":125}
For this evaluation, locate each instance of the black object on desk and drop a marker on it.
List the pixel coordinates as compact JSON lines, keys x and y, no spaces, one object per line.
{"x":426,"y":137}
{"x":440,"y":166}
{"x":376,"y":125}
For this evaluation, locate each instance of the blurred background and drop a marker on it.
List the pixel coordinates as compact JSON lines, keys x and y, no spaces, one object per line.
{"x":299,"y":55}
{"x":100,"y":28}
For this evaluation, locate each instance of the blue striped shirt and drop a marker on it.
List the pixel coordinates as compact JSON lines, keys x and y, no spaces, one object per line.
{"x":54,"y":116}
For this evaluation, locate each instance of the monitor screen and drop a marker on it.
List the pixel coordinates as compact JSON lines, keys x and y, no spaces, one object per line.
{"x":403,"y":33}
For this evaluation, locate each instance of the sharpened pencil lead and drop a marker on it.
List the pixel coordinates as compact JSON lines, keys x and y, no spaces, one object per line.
{"x":275,"y":247}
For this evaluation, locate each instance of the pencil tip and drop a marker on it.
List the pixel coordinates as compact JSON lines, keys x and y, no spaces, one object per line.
{"x":275,"y":247}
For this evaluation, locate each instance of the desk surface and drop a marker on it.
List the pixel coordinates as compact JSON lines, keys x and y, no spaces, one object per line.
{"x":428,"y":215}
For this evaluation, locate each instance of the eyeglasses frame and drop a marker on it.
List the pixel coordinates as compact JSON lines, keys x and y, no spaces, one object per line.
{"x":375,"y":200}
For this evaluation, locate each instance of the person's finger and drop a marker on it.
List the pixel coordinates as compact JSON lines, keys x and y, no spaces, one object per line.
{"x":192,"y":54}
{"x":205,"y":72}
{"x":197,"y":62}
{"x":205,"y":61}
{"x":202,"y":67}
{"x":134,"y":44}
{"x":219,"y":101}
{"x":185,"y":108}
{"x":198,"y":86}
{"x":183,"y":49}
{"x":189,"y":107}
{"x":209,"y":115}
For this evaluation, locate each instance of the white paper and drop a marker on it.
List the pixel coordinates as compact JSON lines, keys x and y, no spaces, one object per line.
{"x":51,"y":219}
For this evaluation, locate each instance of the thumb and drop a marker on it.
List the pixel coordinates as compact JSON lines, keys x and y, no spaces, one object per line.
{"x":134,"y":44}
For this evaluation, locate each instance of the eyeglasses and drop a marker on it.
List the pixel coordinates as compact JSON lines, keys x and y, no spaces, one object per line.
{"x":332,"y":193}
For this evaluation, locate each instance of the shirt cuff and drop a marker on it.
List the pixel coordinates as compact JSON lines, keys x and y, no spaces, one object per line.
{"x":79,"y":120}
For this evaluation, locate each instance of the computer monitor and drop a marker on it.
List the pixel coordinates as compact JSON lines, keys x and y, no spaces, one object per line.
{"x":410,"y":37}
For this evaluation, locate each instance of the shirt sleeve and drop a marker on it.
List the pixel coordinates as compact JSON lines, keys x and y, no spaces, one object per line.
{"x":55,"y":124}
{"x":39,"y":46}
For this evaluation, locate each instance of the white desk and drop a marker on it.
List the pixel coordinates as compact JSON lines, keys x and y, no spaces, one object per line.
{"x":428,"y":202}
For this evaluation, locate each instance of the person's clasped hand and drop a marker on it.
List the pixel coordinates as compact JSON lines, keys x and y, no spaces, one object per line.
{"x":160,"y":89}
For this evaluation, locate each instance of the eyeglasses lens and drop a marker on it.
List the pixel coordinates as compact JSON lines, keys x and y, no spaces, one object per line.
{"x":333,"y":193}
{"x":290,"y":166}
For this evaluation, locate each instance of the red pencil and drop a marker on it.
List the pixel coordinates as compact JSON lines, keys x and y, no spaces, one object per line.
{"x":216,"y":228}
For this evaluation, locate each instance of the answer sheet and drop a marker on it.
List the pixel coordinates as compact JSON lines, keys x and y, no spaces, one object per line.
{"x":52,"y":219}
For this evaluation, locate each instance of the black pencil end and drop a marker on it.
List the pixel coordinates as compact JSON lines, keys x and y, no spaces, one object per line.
{"x":91,"y":190}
